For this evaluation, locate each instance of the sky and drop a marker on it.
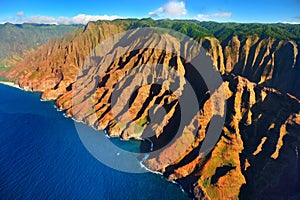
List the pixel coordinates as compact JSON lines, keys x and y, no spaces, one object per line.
{"x":80,"y":12}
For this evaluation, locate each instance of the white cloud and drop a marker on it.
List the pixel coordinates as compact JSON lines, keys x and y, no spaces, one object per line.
{"x":170,"y":9}
{"x":203,"y":17}
{"x":290,"y":22}
{"x":39,"y":20}
{"x":83,"y":19}
{"x":78,"y":19}
{"x":20,"y":14}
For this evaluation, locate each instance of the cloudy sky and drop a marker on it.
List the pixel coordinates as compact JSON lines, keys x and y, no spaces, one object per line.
{"x":80,"y":12}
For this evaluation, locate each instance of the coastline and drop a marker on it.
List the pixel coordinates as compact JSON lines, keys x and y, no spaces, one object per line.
{"x":141,"y":161}
{"x":11,"y":84}
{"x":14,"y":85}
{"x":89,"y":177}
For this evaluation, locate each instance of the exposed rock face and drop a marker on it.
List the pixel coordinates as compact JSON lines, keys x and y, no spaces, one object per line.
{"x":55,"y":65}
{"x":270,"y":62}
{"x":17,"y":40}
{"x":256,"y":155}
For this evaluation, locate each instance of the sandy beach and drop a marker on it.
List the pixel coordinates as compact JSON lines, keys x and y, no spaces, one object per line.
{"x":10,"y":84}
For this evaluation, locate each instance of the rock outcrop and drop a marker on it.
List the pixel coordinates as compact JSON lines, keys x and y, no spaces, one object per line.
{"x":17,"y":40}
{"x":256,"y":156}
{"x":131,"y":86}
{"x":269,"y":62}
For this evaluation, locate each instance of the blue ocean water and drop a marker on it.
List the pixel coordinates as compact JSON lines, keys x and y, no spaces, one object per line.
{"x":42,"y":157}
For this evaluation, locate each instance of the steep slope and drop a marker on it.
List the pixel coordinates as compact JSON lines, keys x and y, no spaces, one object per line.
{"x":131,"y":86}
{"x":60,"y":59}
{"x":256,"y":156}
{"x":17,"y":40}
{"x":265,"y":54}
{"x":270,"y":62}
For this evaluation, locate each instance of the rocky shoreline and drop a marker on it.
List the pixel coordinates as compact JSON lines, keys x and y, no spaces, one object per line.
{"x":11,"y":84}
{"x":260,"y":136}
{"x":14,"y":85}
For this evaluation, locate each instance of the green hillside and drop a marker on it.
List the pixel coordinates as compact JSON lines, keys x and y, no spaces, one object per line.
{"x":221,"y":31}
{"x":16,"y":40}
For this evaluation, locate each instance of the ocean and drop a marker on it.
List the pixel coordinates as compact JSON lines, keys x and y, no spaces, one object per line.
{"x":42,"y":157}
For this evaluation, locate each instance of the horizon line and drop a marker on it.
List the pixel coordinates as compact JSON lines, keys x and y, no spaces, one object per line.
{"x":144,"y":18}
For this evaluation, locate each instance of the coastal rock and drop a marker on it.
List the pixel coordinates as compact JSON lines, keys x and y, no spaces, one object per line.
{"x":135,"y":94}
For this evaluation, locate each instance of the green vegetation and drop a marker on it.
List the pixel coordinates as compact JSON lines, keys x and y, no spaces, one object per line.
{"x":2,"y":78}
{"x":142,"y":122}
{"x":18,"y":39}
{"x":4,"y":69}
{"x":33,"y":75}
{"x":279,"y":31}
{"x":139,"y":127}
{"x":22,"y":38}
{"x":221,"y":31}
